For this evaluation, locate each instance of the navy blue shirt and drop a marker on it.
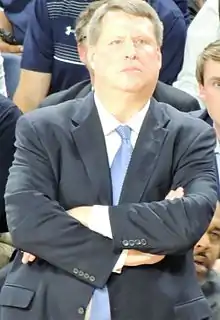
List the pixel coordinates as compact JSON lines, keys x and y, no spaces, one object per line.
{"x":183,"y":5}
{"x":9,"y":114}
{"x":50,"y":44}
{"x":18,"y":13}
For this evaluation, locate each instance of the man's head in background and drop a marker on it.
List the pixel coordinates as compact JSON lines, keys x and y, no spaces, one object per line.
{"x":81,"y":31}
{"x":208,"y":77}
{"x":207,"y":250}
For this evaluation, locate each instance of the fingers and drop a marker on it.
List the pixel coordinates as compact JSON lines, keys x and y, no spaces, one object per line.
{"x":137,"y":258}
{"x":27,"y":257}
{"x":174,"y":194}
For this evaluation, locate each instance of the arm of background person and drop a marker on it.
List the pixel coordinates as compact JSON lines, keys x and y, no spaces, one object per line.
{"x":173,"y":47}
{"x":37,"y":60}
{"x":6,"y":25}
{"x":203,"y":30}
{"x":8,"y":118}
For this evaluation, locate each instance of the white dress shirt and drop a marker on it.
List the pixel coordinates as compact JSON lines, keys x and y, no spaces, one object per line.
{"x":99,"y":221}
{"x":203,"y":30}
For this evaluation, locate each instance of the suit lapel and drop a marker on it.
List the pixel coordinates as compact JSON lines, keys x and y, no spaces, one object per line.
{"x":88,"y":136}
{"x":146,"y":152}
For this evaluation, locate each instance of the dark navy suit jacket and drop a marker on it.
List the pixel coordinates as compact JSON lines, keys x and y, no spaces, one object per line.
{"x":61,"y":163}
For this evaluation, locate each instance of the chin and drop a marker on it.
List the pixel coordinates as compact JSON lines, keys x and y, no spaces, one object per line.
{"x":132,"y":87}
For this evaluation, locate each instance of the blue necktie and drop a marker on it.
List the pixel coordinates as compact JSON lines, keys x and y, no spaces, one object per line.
{"x":100,"y":309}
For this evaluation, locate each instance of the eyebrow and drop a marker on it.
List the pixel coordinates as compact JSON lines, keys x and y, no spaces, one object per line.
{"x":215,"y":78}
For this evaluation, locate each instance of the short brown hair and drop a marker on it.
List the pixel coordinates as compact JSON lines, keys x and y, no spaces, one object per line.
{"x":137,"y":8}
{"x":84,"y":18}
{"x":211,"y":52}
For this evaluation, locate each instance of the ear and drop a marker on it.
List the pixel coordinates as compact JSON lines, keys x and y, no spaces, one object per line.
{"x":91,"y":57}
{"x":202,"y":93}
{"x":159,"y":55}
{"x":82,"y":51}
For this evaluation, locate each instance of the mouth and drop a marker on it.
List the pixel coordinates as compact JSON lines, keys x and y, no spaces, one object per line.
{"x":201,"y":263}
{"x":131,"y":69}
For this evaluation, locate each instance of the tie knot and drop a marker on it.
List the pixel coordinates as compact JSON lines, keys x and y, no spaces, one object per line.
{"x":124,"y":132}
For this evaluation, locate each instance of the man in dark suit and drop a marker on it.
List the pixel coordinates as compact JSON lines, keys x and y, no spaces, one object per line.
{"x":9,"y":114}
{"x":86,"y":191}
{"x":163,"y":92}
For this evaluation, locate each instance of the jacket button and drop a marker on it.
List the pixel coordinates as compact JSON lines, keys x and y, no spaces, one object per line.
{"x":138,"y":242}
{"x":144,"y":242}
{"x":81,"y":310}
{"x":81,"y":274}
{"x":125,"y":243}
{"x":75,"y":271}
{"x":86,"y":276}
{"x":92,"y":278}
{"x":131,"y":243}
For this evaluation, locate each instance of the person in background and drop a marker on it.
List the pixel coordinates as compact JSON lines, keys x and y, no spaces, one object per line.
{"x":193,"y":7}
{"x":183,"y":5}
{"x":50,"y":60}
{"x":9,"y":115}
{"x":206,"y":253}
{"x":14,"y":17}
{"x":163,"y":92}
{"x":203,"y":30}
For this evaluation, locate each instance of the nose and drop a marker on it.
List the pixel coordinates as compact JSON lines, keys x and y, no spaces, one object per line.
{"x":204,"y":242}
{"x":130,"y":50}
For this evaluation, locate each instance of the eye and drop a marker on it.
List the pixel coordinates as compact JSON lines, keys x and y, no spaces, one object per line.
{"x":216,"y":84}
{"x":117,"y":41}
{"x":214,"y":236}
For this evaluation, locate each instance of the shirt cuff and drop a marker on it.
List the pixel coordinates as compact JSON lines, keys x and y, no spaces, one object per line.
{"x":99,"y":221}
{"x":121,"y":262}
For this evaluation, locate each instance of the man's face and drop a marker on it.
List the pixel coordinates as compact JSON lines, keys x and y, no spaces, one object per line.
{"x":126,"y":56}
{"x":207,"y":250}
{"x":210,"y":91}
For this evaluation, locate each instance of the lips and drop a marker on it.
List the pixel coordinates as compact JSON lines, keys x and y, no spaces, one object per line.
{"x":129,"y":69}
{"x":201,"y":263}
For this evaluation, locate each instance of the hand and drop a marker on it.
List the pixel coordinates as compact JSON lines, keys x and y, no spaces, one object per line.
{"x":175,"y":194}
{"x":27,"y":257}
{"x":137,"y":258}
{"x":9,"y":48}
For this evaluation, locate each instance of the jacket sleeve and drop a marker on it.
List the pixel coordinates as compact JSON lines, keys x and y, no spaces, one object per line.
{"x":172,"y":227}
{"x":39,"y":225}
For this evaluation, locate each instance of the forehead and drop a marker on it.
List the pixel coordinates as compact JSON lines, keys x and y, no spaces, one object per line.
{"x":211,"y":69}
{"x":121,"y":23}
{"x":216,"y":218}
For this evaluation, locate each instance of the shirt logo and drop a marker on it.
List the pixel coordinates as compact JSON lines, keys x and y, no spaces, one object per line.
{"x":69,"y":30}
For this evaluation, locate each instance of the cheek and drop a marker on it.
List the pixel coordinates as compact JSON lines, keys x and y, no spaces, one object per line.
{"x":214,"y":254}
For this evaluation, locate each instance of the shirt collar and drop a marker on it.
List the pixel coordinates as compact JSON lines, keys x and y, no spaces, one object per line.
{"x":110,"y":123}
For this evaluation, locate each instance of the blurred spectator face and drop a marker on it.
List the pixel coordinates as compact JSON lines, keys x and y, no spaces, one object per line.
{"x":210,"y":90}
{"x":126,"y":54}
{"x":208,"y":76}
{"x":207,"y":250}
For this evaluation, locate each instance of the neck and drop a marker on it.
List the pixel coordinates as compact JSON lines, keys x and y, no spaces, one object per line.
{"x":123,"y":105}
